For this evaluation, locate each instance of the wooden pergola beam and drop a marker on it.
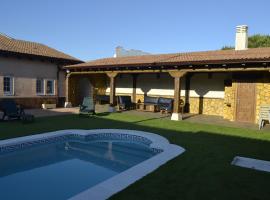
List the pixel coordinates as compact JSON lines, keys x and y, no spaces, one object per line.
{"x":241,"y":69}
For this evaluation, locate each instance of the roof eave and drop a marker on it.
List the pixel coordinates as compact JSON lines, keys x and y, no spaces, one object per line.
{"x":187,"y":63}
{"x":48,"y":58}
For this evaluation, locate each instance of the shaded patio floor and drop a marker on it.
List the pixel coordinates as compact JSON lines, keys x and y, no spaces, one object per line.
{"x":196,"y":118}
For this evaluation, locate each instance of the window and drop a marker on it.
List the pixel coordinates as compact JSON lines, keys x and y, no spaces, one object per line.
{"x":8,"y":85}
{"x":40,"y":86}
{"x":50,"y":87}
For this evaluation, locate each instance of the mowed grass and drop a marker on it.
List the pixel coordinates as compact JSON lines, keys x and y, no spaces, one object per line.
{"x":202,"y":172}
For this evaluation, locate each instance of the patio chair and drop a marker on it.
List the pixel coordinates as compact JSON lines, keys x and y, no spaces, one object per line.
{"x":264,"y":115}
{"x":125,"y":103}
{"x":11,"y":110}
{"x":87,"y":107}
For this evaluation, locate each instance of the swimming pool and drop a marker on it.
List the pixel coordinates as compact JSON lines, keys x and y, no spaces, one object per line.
{"x":79,"y":164}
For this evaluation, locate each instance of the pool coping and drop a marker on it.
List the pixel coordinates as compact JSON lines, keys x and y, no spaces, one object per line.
{"x":120,"y":181}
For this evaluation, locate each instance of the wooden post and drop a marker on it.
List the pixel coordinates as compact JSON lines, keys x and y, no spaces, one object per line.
{"x":134,"y":87}
{"x":187,"y":91}
{"x":68,"y":102}
{"x":177,"y":75}
{"x":177,"y":95}
{"x":112,"y":76}
{"x":112,"y":91}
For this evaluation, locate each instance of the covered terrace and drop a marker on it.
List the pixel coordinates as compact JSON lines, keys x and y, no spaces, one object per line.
{"x":241,"y":63}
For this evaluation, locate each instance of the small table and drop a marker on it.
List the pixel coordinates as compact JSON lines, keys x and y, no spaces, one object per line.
{"x":147,"y":107}
{"x":140,"y":106}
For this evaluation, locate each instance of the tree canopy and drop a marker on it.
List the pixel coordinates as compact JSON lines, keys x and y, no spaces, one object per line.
{"x":254,"y":41}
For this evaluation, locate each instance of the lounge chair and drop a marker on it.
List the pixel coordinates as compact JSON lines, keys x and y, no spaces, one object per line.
{"x":11,"y":110}
{"x":88,"y":106}
{"x":264,"y":115}
{"x":125,"y":103}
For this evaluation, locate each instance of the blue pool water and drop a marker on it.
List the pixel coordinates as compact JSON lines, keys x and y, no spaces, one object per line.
{"x":62,"y":169}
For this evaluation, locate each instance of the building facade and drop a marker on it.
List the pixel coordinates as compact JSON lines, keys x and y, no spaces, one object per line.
{"x":32,"y":73}
{"x":232,"y":83}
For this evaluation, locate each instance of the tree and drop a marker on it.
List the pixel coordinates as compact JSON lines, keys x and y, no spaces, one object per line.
{"x":254,"y":41}
{"x":258,"y":40}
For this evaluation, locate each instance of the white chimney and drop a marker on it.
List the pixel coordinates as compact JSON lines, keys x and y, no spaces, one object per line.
{"x":241,"y":39}
{"x":118,"y":51}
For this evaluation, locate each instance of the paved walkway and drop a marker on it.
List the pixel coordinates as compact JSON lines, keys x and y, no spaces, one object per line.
{"x":52,"y":112}
{"x":205,"y":119}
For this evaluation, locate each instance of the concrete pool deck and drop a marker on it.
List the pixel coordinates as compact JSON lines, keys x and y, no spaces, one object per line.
{"x":196,"y":118}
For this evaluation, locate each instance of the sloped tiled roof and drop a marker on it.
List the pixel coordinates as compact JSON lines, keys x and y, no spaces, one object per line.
{"x":10,"y":45}
{"x":203,"y":57}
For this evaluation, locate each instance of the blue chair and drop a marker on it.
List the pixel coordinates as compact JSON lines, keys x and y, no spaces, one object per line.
{"x":125,"y":103}
{"x":87,"y":107}
{"x":11,"y":109}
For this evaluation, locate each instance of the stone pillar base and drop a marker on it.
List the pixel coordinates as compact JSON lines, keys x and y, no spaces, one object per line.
{"x":112,"y":109}
{"x":68,"y":104}
{"x":176,"y":117}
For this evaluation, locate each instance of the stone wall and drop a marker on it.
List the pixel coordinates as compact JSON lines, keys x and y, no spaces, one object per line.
{"x":262,"y":94}
{"x":262,"y":97}
{"x":207,"y":106}
{"x":139,"y":97}
{"x":229,"y":102}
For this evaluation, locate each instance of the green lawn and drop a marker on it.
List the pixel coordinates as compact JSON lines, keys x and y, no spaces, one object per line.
{"x":202,"y":172}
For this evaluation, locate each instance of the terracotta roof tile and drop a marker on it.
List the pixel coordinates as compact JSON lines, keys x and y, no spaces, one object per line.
{"x":203,"y":57}
{"x":11,"y":45}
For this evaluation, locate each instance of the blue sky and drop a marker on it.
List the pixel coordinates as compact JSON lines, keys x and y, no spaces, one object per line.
{"x":91,"y":29}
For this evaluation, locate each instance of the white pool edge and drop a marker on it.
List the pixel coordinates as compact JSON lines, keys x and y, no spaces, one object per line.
{"x":118,"y":182}
{"x":251,"y":163}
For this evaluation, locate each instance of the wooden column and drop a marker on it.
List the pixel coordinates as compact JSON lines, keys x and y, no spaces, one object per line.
{"x":187,"y":91}
{"x":112,"y":76}
{"x":177,"y":95}
{"x":134,"y":87}
{"x":177,"y":75}
{"x":68,"y":100}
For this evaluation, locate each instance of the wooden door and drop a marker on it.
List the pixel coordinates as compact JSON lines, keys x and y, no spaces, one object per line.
{"x":245,"y":101}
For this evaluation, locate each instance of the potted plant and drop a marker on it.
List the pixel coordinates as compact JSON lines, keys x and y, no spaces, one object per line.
{"x":48,"y":104}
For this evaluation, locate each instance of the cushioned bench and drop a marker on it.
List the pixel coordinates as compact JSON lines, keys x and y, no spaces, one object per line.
{"x":103,"y":99}
{"x":155,"y":104}
{"x":151,"y":100}
{"x":165,"y":104}
{"x":149,"y":104}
